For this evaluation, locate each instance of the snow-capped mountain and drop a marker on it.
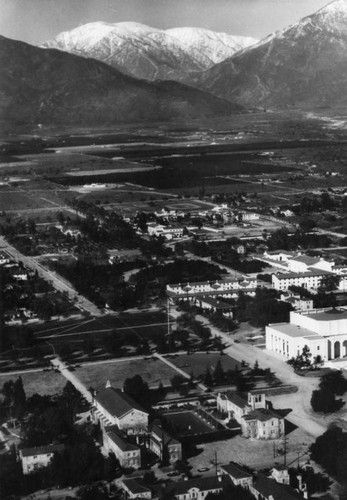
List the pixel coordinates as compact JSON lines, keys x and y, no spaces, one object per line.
{"x":304,"y":65}
{"x":49,"y":86}
{"x":149,"y":53}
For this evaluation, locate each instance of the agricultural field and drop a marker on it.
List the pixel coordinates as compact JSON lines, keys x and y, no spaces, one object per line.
{"x":151,"y":369}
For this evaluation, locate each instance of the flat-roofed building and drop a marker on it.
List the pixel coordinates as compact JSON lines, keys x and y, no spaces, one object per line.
{"x":323,"y":331}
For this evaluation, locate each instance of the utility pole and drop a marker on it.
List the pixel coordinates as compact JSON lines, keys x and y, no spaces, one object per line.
{"x":285,"y":451}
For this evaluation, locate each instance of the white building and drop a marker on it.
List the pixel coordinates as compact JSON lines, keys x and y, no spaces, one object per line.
{"x":324,"y":331}
{"x":114,"y":407}
{"x":228,"y":287}
{"x":128,"y":454}
{"x":33,"y":459}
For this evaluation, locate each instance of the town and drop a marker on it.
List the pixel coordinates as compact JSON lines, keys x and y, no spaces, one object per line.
{"x":159,"y":344}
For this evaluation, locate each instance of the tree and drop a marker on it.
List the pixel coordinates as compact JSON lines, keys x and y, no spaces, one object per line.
{"x":329,"y":283}
{"x":330,"y":451}
{"x":323,"y":400}
{"x":334,"y":381}
{"x":218,"y":373}
{"x":208,"y":380}
{"x":136,"y":388}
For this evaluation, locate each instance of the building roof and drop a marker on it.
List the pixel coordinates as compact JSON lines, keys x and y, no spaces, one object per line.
{"x":135,"y":486}
{"x":202,"y":484}
{"x":42,"y":450}
{"x":306,"y":259}
{"x":306,"y":274}
{"x":215,"y":302}
{"x":117,"y":402}
{"x":237,"y":399}
{"x":262,"y":415}
{"x":164,"y":436}
{"x":235,"y":471}
{"x":121,"y":443}
{"x":294,"y":330}
{"x":278,"y":491}
{"x":328,"y":315}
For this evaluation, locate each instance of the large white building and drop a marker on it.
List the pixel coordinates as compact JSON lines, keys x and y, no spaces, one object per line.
{"x":303,"y":270}
{"x":324,"y":331}
{"x":227,"y":287}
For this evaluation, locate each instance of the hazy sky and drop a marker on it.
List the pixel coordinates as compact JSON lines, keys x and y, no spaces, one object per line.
{"x":35,"y":21}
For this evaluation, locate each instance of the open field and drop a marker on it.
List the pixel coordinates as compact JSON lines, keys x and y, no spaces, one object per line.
{"x":152,"y":370}
{"x":40,"y":382}
{"x":254,"y":452}
{"x":198,"y":363}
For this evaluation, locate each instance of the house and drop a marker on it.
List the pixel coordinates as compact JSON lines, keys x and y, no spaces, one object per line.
{"x":33,"y":459}
{"x":323,"y":330}
{"x":264,"y":488}
{"x":238,"y":476}
{"x":215,"y":305}
{"x":162,"y":444}
{"x":114,"y":407}
{"x":298,"y":302}
{"x":134,"y":488}
{"x":252,"y":413}
{"x":194,"y":489}
{"x":280,"y":474}
{"x":128,"y":454}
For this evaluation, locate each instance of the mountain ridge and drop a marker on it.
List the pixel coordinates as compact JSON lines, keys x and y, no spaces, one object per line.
{"x":303,"y":65}
{"x":147,"y":52}
{"x":49,"y":86}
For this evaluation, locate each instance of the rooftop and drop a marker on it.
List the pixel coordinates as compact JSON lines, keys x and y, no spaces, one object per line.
{"x":236,"y":399}
{"x":121,"y":443}
{"x":116,"y":402}
{"x":135,"y":486}
{"x":235,"y":471}
{"x":202,"y":484}
{"x":294,"y":330}
{"x":307,"y":274}
{"x":278,"y":491}
{"x":42,"y":450}
{"x":261,"y":414}
{"x":328,"y":315}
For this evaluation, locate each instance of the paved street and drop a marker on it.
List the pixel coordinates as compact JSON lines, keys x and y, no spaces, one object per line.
{"x":57,"y":281}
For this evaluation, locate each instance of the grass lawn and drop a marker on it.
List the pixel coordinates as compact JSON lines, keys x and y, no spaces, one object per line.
{"x":152,"y":370}
{"x":199,"y":362}
{"x":38,"y":382}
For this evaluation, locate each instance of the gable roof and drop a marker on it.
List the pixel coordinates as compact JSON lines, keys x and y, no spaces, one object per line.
{"x":261,"y":415}
{"x":278,"y":491}
{"x":235,"y":471}
{"x":158,"y":433}
{"x":202,"y":484}
{"x":42,"y":450}
{"x":121,"y":443}
{"x":116,"y":402}
{"x":135,"y":486}
{"x":236,"y":399}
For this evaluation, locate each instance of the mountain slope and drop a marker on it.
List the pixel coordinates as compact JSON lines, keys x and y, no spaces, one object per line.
{"x":49,"y":86}
{"x":304,"y":65}
{"x":146,"y":52}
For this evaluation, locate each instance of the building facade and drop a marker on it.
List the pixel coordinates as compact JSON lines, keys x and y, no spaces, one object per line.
{"x":323,"y":331}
